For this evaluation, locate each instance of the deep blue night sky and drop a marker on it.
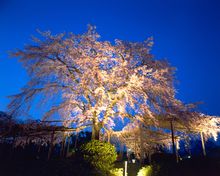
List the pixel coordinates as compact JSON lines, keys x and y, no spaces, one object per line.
{"x":187,"y":33}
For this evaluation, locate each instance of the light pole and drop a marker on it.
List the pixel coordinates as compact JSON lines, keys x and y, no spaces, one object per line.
{"x":126,"y":168}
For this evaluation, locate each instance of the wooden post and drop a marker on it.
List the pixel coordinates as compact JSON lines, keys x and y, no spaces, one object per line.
{"x":26,"y":142}
{"x":149,"y":157}
{"x":173,"y":141}
{"x":121,"y":151}
{"x":187,"y":145}
{"x":77,"y":134}
{"x":203,"y":143}
{"x":68,"y":146}
{"x":13,"y":146}
{"x":39,"y":148}
{"x":177,"y":154}
{"x":62,"y":146}
{"x":51,"y":145}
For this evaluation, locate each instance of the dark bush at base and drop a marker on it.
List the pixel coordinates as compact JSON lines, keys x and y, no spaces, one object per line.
{"x":99,"y":155}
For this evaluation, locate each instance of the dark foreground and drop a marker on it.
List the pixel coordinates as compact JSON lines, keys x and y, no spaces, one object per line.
{"x":163,"y":166}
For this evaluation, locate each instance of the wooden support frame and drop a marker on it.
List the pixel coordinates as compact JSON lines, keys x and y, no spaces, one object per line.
{"x":51,"y":145}
{"x":175,"y":151}
{"x":203,"y":144}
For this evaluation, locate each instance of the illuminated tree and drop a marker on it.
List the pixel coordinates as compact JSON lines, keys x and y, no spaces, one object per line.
{"x":94,"y":81}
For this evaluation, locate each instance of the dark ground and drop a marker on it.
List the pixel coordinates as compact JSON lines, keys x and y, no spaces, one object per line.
{"x":196,"y":166}
{"x":73,"y":167}
{"x":28,"y":163}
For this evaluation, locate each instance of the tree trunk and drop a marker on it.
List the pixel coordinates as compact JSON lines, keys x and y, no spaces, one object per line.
{"x":95,"y":132}
{"x":96,"y":128}
{"x":109,"y":136}
{"x":141,"y":145}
